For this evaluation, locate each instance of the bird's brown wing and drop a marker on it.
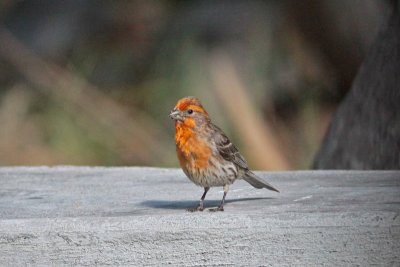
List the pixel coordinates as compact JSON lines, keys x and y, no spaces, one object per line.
{"x":227,"y":149}
{"x":230,"y":153}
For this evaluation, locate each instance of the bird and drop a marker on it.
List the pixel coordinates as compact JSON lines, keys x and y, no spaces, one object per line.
{"x":205,"y":153}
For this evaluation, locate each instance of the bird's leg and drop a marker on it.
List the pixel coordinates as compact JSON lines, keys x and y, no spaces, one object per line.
{"x":200,"y":207}
{"x":221,"y":206}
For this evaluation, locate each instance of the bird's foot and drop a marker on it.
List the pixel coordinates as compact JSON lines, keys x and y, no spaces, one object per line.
{"x":219,"y":208}
{"x":198,"y":208}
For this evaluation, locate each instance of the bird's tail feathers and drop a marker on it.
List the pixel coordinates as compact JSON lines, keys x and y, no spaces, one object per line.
{"x":257,"y":182}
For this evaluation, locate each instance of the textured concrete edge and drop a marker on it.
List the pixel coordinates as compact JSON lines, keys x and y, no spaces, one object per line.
{"x":172,"y":169}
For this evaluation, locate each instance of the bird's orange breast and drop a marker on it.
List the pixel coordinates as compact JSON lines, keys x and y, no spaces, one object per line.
{"x":193,"y":152}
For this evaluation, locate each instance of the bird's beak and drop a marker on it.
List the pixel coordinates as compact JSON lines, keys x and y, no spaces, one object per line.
{"x":176,"y":115}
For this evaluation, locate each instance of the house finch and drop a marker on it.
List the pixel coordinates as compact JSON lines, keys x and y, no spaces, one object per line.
{"x":206,"y":155}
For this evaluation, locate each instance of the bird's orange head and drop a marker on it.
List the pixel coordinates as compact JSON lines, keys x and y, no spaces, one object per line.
{"x":189,"y":112}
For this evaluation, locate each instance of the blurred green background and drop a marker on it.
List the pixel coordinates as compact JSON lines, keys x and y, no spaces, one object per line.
{"x":91,"y":82}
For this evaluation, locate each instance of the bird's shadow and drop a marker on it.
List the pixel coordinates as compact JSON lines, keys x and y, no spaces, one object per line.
{"x":184,"y":204}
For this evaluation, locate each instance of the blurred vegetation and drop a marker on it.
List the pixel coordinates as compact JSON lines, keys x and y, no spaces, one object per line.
{"x":92,"y":82}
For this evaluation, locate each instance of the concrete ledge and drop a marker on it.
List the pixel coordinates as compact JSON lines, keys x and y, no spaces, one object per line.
{"x":136,"y":216}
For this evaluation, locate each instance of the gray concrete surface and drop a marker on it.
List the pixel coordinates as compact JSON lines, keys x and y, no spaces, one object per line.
{"x":136,"y":216}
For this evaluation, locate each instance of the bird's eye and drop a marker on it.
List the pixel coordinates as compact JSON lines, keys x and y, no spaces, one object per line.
{"x":190,"y":111}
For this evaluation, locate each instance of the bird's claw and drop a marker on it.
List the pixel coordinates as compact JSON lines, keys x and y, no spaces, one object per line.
{"x":219,"y":208}
{"x":198,"y":208}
